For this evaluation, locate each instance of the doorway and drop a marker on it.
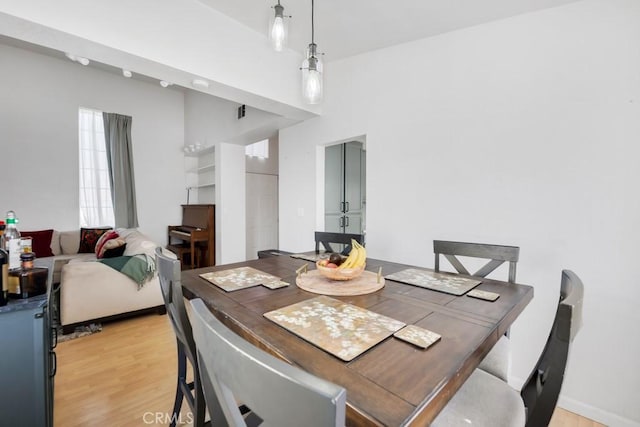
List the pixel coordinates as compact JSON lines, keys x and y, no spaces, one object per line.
{"x":345,"y":200}
{"x":262,"y":213}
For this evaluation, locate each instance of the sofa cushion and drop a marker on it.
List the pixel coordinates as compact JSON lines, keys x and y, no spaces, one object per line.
{"x":70,"y":242}
{"x":55,"y":243}
{"x":40,"y":242}
{"x":137,"y":243}
{"x":89,"y":237}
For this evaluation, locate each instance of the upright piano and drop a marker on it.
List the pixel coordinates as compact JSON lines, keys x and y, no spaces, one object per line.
{"x":197,"y":232}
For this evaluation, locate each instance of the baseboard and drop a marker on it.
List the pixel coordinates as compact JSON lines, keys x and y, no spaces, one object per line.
{"x":592,"y":412}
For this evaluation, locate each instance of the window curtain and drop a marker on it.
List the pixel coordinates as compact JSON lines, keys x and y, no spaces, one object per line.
{"x":117,"y":135}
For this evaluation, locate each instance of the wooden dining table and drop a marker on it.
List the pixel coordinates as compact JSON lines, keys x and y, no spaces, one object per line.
{"x":394,"y":383}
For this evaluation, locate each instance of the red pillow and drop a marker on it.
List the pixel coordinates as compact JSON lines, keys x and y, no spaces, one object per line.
{"x":40,"y":242}
{"x":104,"y":239}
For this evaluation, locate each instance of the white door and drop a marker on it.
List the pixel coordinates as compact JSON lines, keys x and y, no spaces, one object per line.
{"x":262,"y":213}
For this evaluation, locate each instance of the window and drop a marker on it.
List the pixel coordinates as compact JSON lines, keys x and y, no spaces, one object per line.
{"x":96,"y":207}
{"x":258,"y":149}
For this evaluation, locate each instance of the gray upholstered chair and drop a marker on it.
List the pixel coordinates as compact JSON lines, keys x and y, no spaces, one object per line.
{"x":169,"y":277}
{"x":497,"y":361}
{"x":485,"y":401}
{"x":325,"y":239}
{"x":280,"y":394}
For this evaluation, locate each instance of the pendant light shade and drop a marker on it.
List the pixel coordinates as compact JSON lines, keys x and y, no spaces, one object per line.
{"x":312,"y":76}
{"x":278,"y":28}
{"x":312,"y":70}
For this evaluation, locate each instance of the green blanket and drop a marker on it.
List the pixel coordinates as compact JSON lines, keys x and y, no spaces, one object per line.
{"x":140,"y":268}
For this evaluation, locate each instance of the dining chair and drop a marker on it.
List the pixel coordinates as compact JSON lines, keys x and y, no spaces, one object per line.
{"x":169,"y":277}
{"x":496,"y":254}
{"x":278,"y":393}
{"x":497,"y":361}
{"x":486,"y":401}
{"x":326,"y":238}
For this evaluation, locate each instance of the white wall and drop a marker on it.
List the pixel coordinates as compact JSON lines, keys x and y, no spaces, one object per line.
{"x":267,"y":166}
{"x":521,"y":132}
{"x":39,"y":102}
{"x":210,"y":120}
{"x":230,"y":203}
{"x":173,"y":40}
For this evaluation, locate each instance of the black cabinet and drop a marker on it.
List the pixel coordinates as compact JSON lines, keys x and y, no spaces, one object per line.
{"x":27,"y":361}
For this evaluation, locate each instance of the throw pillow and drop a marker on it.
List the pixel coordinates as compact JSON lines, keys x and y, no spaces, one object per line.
{"x":114,"y":248}
{"x":40,"y":242}
{"x":104,"y":239}
{"x":89,"y":237}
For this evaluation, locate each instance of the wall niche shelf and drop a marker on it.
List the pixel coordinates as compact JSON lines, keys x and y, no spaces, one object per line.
{"x":201,"y":151}
{"x":200,"y":173}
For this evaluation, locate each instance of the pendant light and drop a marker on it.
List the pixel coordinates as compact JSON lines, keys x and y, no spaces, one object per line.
{"x":278,"y":30}
{"x":312,"y":71}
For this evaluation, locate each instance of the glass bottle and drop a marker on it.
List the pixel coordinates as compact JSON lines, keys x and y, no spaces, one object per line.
{"x":4,"y":277}
{"x":12,"y":241}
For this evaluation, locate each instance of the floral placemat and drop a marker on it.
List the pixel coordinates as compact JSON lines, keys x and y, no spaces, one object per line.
{"x":448,"y":283}
{"x":242,"y":278}
{"x":341,"y":329}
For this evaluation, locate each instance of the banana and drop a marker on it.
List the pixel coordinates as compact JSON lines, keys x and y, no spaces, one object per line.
{"x":348,"y":263}
{"x":357,"y":257}
{"x":362,"y":256}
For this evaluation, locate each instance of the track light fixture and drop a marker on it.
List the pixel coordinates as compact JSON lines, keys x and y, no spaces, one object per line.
{"x":75,"y":58}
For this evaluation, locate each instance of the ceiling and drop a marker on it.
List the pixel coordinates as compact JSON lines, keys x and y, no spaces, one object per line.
{"x":349,"y":27}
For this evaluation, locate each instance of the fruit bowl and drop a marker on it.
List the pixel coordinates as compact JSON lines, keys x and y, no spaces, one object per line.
{"x":340,"y":273}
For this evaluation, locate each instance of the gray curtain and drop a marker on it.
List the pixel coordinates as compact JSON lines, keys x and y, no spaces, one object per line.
{"x":117,"y":135}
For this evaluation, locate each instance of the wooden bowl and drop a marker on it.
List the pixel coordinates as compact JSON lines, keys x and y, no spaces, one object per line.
{"x":340,"y":273}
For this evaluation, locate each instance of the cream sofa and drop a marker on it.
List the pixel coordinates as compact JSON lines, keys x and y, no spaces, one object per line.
{"x":92,"y":291}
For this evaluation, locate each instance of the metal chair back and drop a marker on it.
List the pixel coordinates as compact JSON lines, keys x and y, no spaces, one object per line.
{"x":278,"y":393}
{"x":496,"y":254}
{"x":325,"y":239}
{"x":540,"y":392}
{"x":169,"y":277}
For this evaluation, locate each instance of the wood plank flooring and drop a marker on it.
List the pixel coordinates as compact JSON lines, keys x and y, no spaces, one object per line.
{"x":126,"y":374}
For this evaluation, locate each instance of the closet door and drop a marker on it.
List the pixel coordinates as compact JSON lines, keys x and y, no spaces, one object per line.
{"x":333,"y":188}
{"x":353,"y":188}
{"x":344,"y":188}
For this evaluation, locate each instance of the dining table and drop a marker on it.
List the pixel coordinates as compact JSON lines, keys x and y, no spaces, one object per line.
{"x":393,"y":383}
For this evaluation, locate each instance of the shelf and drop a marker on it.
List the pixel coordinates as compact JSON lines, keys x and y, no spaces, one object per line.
{"x":198,"y":153}
{"x":207,"y":184}
{"x":202,"y":169}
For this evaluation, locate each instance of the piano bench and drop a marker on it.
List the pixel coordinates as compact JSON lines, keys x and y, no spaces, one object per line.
{"x":181,"y":250}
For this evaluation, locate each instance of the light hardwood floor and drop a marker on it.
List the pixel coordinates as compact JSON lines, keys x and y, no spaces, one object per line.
{"x":125,"y":376}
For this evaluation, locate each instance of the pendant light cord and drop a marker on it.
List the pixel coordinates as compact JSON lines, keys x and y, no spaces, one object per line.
{"x":312,"y":29}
